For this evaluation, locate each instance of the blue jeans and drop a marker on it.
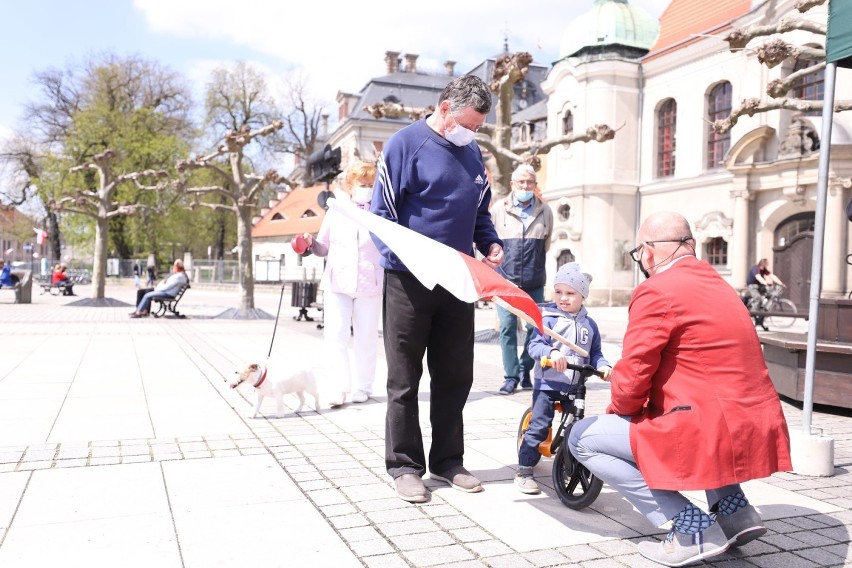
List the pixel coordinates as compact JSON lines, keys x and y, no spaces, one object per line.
{"x":145,"y":303}
{"x":602,"y":444}
{"x":540,"y":422}
{"x":514,"y":367}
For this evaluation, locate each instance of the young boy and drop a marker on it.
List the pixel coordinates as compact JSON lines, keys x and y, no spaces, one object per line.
{"x":568,"y":317}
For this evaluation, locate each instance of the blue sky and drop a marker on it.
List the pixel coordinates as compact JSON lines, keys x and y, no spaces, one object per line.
{"x":333,"y":49}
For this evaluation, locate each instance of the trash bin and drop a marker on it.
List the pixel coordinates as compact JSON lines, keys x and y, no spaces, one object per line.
{"x":24,"y":286}
{"x":303,"y":294}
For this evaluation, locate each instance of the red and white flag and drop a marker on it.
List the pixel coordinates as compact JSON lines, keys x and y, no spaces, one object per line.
{"x":434,"y":263}
{"x":41,"y":236}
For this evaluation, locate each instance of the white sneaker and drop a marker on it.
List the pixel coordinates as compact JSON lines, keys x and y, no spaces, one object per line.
{"x":360,"y":396}
{"x":338,"y":401}
{"x":526,"y":484}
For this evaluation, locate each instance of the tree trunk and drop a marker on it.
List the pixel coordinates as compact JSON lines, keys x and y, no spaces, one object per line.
{"x":99,"y":266}
{"x":54,"y":236}
{"x":246,"y":257}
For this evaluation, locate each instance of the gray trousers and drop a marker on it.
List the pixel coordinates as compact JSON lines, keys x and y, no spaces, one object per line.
{"x":602,"y":444}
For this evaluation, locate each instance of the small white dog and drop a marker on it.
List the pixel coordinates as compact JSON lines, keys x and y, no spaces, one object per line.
{"x":298,"y":383}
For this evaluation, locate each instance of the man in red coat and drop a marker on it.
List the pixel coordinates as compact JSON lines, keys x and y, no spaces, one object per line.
{"x":693,"y":407}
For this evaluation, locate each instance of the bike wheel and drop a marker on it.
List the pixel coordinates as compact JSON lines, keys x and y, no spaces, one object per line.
{"x":576,"y":486}
{"x":524,"y":426}
{"x":786,"y":306}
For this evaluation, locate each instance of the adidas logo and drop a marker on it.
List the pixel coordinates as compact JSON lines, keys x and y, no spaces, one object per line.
{"x":478,"y":180}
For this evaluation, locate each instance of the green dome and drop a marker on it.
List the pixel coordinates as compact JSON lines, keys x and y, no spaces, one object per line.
{"x":609,"y":22}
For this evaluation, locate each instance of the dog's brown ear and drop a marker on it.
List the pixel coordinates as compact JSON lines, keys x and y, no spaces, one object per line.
{"x":254,"y":366}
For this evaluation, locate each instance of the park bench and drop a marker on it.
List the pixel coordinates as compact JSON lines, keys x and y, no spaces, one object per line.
{"x":52,"y":289}
{"x":162,"y":306}
{"x":15,"y":288}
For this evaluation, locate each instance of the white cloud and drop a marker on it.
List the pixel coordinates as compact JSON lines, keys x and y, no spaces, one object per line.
{"x":342,"y":48}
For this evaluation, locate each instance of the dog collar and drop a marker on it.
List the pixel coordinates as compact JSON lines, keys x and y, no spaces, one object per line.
{"x":262,"y":378}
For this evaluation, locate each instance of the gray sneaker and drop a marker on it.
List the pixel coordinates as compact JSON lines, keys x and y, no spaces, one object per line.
{"x":679,"y":549}
{"x":459,"y":478}
{"x":526,"y":484}
{"x":410,"y":488}
{"x":742,"y":527}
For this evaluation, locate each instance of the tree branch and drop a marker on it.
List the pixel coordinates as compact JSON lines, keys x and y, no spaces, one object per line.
{"x":780,"y":87}
{"x":750,"y":107}
{"x":805,"y":5}
{"x":596,"y":133}
{"x":776,"y":50}
{"x":739,"y":38}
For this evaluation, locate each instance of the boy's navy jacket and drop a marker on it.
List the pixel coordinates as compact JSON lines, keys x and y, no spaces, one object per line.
{"x":579,"y":328}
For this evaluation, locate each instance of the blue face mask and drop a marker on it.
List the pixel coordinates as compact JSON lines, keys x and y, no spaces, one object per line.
{"x":522,"y":196}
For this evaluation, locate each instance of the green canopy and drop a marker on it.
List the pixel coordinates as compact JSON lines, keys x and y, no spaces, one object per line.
{"x":838,"y":45}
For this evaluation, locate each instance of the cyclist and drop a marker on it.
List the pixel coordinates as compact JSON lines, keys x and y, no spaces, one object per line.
{"x":759,"y":279}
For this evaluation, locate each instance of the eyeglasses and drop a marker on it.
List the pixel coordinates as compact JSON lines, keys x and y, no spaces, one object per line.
{"x":636,"y":255}
{"x":524,"y":182}
{"x":471,"y":128}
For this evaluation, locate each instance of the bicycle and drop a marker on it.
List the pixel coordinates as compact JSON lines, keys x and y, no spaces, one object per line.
{"x":576,"y":486}
{"x":772,"y":302}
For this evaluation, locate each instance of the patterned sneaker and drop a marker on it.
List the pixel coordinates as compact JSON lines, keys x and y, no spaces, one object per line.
{"x":509,"y":386}
{"x":679,"y":549}
{"x":741,"y":527}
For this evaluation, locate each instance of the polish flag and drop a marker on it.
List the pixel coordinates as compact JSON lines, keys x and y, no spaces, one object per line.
{"x":434,"y":263}
{"x":41,"y":236}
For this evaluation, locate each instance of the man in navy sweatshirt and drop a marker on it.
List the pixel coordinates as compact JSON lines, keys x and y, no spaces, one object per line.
{"x":431,"y":179}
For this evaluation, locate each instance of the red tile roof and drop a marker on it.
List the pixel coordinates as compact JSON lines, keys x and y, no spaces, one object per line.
{"x":683,"y":18}
{"x":292,"y":215}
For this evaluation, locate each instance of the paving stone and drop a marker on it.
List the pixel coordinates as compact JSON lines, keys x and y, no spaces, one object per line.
{"x":454,"y":522}
{"x":395,"y":515}
{"x":783,"y":560}
{"x":408,"y":527}
{"x":487,"y":548}
{"x":509,"y":561}
{"x":371,"y":547}
{"x":429,"y":540}
{"x":470,"y":534}
{"x":358,"y":534}
{"x":544,"y":558}
{"x":580,"y":553}
{"x":386,"y":561}
{"x":438,"y":556}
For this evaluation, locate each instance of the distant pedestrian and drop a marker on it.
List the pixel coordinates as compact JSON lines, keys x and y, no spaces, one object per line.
{"x":137,"y":274}
{"x":152,"y":276}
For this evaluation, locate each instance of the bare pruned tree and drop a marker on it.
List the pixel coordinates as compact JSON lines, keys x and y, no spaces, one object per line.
{"x":100,"y":205}
{"x":774,"y":51}
{"x":238,"y":191}
{"x":303,"y":118}
{"x":502,"y":155}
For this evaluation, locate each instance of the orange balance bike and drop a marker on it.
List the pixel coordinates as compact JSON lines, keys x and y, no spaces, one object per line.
{"x":576,"y":486}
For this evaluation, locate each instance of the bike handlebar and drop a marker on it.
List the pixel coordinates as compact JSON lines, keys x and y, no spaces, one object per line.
{"x":584,"y":370}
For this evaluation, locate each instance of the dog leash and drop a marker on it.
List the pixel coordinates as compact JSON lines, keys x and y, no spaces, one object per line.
{"x":274,"y":329}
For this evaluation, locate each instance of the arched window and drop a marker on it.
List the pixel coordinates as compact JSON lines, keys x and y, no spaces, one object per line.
{"x":567,"y":123}
{"x":811,"y":86}
{"x":716,"y":251}
{"x":718,"y":107}
{"x":666,"y":123}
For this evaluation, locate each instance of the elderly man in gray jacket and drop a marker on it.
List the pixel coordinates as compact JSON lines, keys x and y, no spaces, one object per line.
{"x":525,"y":225}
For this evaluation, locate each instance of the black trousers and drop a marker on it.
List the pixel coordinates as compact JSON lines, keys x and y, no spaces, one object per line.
{"x":420,"y":321}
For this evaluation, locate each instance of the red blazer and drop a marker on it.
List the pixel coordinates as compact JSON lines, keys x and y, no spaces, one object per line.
{"x":692,"y":376}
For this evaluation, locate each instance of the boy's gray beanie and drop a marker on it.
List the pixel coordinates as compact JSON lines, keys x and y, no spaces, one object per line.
{"x":570,"y":274}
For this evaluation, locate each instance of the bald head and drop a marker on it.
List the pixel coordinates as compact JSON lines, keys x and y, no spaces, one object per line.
{"x":664,"y":237}
{"x":663,"y":226}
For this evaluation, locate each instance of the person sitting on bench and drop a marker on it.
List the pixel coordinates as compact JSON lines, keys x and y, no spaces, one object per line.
{"x":59,"y":278}
{"x":168,"y":288}
{"x":5,"y":275}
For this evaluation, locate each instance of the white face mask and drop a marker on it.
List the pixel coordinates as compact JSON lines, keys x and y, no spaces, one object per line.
{"x":460,"y":136}
{"x":362,"y":194}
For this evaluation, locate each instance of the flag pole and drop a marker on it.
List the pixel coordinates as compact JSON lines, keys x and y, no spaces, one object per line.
{"x":819,"y":239}
{"x":546,"y":330}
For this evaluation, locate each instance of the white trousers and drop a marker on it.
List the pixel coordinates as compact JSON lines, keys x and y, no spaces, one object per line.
{"x":341,"y":313}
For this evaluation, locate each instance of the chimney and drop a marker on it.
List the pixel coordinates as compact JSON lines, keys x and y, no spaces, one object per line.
{"x":392,"y":60}
{"x":450,"y":67}
{"x":411,"y":63}
{"x":325,"y":123}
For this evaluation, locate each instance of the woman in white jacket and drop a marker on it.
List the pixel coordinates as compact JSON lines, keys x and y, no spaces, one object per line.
{"x":352,"y":288}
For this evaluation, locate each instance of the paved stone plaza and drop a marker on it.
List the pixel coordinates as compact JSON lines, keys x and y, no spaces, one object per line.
{"x":122,"y":444}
